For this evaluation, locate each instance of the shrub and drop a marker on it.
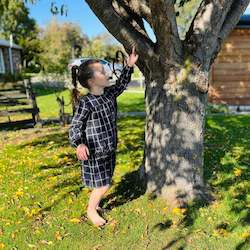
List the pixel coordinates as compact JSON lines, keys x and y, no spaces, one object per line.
{"x":216,"y":108}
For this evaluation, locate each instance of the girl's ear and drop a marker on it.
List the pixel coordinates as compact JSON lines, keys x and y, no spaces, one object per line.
{"x":90,"y":82}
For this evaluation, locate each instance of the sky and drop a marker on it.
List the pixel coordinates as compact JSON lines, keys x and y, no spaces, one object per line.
{"x":78,"y":12}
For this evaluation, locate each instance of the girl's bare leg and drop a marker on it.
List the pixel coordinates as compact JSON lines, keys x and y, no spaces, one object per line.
{"x":94,"y":200}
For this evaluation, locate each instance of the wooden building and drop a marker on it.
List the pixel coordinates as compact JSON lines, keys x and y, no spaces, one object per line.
{"x":230,"y":73}
{"x":10,"y":57}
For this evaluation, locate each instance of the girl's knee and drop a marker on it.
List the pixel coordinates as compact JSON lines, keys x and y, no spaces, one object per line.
{"x":106,"y":187}
{"x":102,"y":188}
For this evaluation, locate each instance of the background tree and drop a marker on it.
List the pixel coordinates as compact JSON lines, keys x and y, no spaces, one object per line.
{"x":176,"y":76}
{"x":102,"y":46}
{"x":59,"y":43}
{"x":15,"y":20}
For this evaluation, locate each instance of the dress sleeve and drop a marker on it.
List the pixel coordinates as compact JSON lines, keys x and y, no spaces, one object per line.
{"x":78,"y":124}
{"x":122,"y":81}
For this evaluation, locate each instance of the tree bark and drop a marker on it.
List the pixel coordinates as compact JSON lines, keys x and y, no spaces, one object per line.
{"x":174,"y":135}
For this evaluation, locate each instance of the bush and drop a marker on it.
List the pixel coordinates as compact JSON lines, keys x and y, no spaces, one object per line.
{"x":217,"y":108}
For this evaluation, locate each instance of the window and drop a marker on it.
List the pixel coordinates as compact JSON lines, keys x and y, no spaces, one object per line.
{"x":2,"y":68}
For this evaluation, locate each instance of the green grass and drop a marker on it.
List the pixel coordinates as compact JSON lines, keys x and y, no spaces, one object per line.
{"x":46,"y":101}
{"x":49,"y":108}
{"x":43,"y":201}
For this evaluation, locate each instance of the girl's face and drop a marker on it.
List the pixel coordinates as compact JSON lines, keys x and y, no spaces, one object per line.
{"x":100,"y":78}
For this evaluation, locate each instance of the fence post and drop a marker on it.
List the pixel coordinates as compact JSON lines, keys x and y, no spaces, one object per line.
{"x":31,"y":96}
{"x":61,"y":110}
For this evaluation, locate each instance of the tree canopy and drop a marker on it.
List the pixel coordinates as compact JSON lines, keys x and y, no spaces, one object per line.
{"x":59,"y":43}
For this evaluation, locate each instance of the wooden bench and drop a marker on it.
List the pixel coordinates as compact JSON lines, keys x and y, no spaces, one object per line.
{"x":18,"y":98}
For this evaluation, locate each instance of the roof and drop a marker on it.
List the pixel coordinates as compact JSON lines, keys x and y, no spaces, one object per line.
{"x":244,"y":22}
{"x":5,"y":43}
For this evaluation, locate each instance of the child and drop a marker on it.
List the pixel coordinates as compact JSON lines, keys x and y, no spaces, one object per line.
{"x":93,"y":129}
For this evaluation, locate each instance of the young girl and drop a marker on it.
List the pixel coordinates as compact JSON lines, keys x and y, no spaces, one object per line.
{"x":93,"y":130}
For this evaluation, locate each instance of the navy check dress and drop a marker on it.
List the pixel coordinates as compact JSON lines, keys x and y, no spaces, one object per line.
{"x":95,"y":125}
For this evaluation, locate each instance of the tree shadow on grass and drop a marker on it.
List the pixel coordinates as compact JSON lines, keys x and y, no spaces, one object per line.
{"x":42,"y":90}
{"x":74,"y":182}
{"x":129,"y":188}
{"x":53,"y":140}
{"x":16,"y":125}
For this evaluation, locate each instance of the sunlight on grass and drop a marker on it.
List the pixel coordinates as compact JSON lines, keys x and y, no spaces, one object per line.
{"x":49,"y":108}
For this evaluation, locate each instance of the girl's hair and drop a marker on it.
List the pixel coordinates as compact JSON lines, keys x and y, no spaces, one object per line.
{"x":81,"y":74}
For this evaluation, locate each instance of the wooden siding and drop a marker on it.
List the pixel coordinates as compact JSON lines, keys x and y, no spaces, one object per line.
{"x":230,"y":73}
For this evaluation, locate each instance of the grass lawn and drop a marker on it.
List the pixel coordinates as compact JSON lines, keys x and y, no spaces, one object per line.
{"x":43,"y":201}
{"x":49,"y":108}
{"x":46,"y":101}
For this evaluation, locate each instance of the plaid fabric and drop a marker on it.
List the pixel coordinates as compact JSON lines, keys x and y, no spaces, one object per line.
{"x":94,"y":124}
{"x":98,"y":172}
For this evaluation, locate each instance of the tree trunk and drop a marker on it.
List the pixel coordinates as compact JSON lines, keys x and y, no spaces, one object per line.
{"x":174,"y":135}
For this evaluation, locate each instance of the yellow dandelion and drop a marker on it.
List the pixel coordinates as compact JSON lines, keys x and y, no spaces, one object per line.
{"x":138,"y":210}
{"x":19,"y":193}
{"x":52,"y":178}
{"x":58,"y":236}
{"x":237,"y":172}
{"x":70,"y":200}
{"x":26,"y":210}
{"x":220,"y":232}
{"x":33,"y":212}
{"x":2,"y":245}
{"x":246,"y":235}
{"x":75,"y":220}
{"x":210,"y":219}
{"x":177,"y":210}
{"x":165,"y":209}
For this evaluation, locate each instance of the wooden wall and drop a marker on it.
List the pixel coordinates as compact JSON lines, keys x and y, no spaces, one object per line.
{"x":230,"y":73}
{"x":16,"y":58}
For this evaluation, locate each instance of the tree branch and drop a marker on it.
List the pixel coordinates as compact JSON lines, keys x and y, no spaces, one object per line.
{"x":121,"y":29}
{"x":202,"y":35}
{"x":166,"y":31}
{"x":130,"y":15}
{"x":141,"y":8}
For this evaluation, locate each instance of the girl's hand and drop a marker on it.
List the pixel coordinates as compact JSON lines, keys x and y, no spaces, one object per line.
{"x":82,"y":151}
{"x":131,"y":60}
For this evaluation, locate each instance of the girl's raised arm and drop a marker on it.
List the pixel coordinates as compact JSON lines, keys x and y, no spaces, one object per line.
{"x":125,"y":77}
{"x":122,"y":82}
{"x":76,"y":130}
